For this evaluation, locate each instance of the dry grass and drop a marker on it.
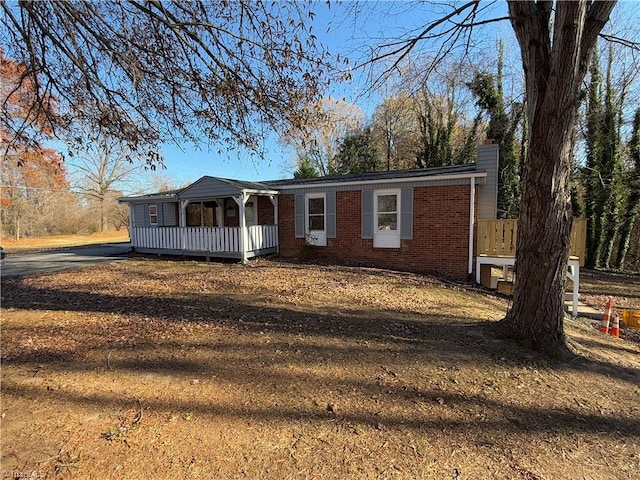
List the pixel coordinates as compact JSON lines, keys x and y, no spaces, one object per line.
{"x":596,"y":286}
{"x":61,"y":241}
{"x":170,"y":369}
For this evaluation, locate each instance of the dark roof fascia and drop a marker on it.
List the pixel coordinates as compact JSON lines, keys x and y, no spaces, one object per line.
{"x":246,"y":186}
{"x":168,"y":195}
{"x":456,"y":171}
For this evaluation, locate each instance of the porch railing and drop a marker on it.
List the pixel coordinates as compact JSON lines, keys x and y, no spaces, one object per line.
{"x":205,"y":239}
{"x":497,"y":238}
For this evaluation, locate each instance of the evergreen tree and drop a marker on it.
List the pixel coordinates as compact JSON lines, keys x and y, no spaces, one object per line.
{"x":305,"y":169}
{"x":594,"y":183}
{"x":633,"y":189}
{"x":442,"y":138}
{"x":611,"y":167}
{"x":357,"y":153}
{"x":503,"y":126}
{"x":605,"y":192}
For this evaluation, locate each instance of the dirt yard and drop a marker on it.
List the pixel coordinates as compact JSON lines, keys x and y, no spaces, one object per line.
{"x":157,"y":369}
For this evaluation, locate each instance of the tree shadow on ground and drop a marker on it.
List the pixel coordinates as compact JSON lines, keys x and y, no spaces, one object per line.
{"x":470,"y":340}
{"x":495,"y":416}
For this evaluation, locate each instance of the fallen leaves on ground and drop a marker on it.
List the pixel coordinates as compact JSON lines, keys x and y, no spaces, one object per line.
{"x":157,"y":368}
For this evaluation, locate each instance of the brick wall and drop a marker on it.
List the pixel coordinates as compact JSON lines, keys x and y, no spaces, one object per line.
{"x":440,"y":233}
{"x":231,"y":218}
{"x":265,"y":211}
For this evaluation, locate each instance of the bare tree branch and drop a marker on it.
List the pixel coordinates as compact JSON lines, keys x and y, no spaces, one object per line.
{"x":621,"y":41}
{"x":142,"y":71}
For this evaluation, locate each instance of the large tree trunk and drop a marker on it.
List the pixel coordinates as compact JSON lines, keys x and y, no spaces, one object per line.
{"x":555,"y":63}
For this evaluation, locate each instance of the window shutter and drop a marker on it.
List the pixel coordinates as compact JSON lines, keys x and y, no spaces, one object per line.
{"x":406,"y":214}
{"x":147,"y":222}
{"x":330,"y":214}
{"x":299,"y":214}
{"x":161,"y":214}
{"x":367,"y":213}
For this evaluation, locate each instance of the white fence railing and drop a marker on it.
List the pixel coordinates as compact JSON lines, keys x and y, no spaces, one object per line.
{"x":205,"y":239}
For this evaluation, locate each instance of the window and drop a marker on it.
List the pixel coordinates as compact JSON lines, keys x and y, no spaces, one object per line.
{"x":315,"y":228}
{"x":201,"y":214}
{"x":250,"y":211}
{"x":386,"y":217}
{"x":153,"y":215}
{"x":194,"y":215}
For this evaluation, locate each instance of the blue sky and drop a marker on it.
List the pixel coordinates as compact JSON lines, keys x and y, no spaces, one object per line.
{"x":340,"y":29}
{"x":187,"y":163}
{"x":343,"y":30}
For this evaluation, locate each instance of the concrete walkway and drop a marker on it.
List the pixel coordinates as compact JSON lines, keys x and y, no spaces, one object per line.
{"x":584,"y":311}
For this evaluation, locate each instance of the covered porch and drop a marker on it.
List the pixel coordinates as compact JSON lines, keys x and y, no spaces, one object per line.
{"x":213,"y":217}
{"x":221,"y":242}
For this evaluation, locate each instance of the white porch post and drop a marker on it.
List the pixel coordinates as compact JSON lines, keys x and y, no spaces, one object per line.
{"x":183,"y":224}
{"x":183,"y":212}
{"x":274,"y":202}
{"x":132,"y":233}
{"x":241,"y":200}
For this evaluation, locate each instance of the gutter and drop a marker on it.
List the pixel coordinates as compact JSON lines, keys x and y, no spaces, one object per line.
{"x":146,"y":198}
{"x":430,"y":178}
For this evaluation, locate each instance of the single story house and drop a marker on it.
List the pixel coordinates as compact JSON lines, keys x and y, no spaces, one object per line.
{"x":420,"y":220}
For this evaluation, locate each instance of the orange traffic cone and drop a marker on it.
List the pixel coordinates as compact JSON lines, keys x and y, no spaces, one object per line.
{"x":606,"y":316}
{"x":615,"y":327}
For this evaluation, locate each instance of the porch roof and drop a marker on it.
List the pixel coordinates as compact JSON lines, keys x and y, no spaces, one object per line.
{"x":208,"y":186}
{"x":205,"y":187}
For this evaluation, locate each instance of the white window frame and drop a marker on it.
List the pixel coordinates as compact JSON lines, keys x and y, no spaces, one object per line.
{"x":315,"y":237}
{"x":151,"y":215}
{"x":386,"y":238}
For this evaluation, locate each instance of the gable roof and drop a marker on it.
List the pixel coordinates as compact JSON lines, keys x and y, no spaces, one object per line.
{"x":223,"y":187}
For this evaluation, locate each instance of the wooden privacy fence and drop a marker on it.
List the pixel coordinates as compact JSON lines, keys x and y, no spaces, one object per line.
{"x":497,"y":238}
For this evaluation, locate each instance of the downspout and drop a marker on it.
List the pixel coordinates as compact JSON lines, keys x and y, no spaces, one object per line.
{"x":472,"y":219}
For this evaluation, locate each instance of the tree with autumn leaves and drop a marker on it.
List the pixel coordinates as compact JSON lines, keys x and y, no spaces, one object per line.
{"x":32,"y":176}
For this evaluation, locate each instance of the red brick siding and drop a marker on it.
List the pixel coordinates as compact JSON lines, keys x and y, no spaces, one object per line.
{"x":440,"y":233}
{"x":265,"y":211}
{"x":230,"y":205}
{"x":290,"y":246}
